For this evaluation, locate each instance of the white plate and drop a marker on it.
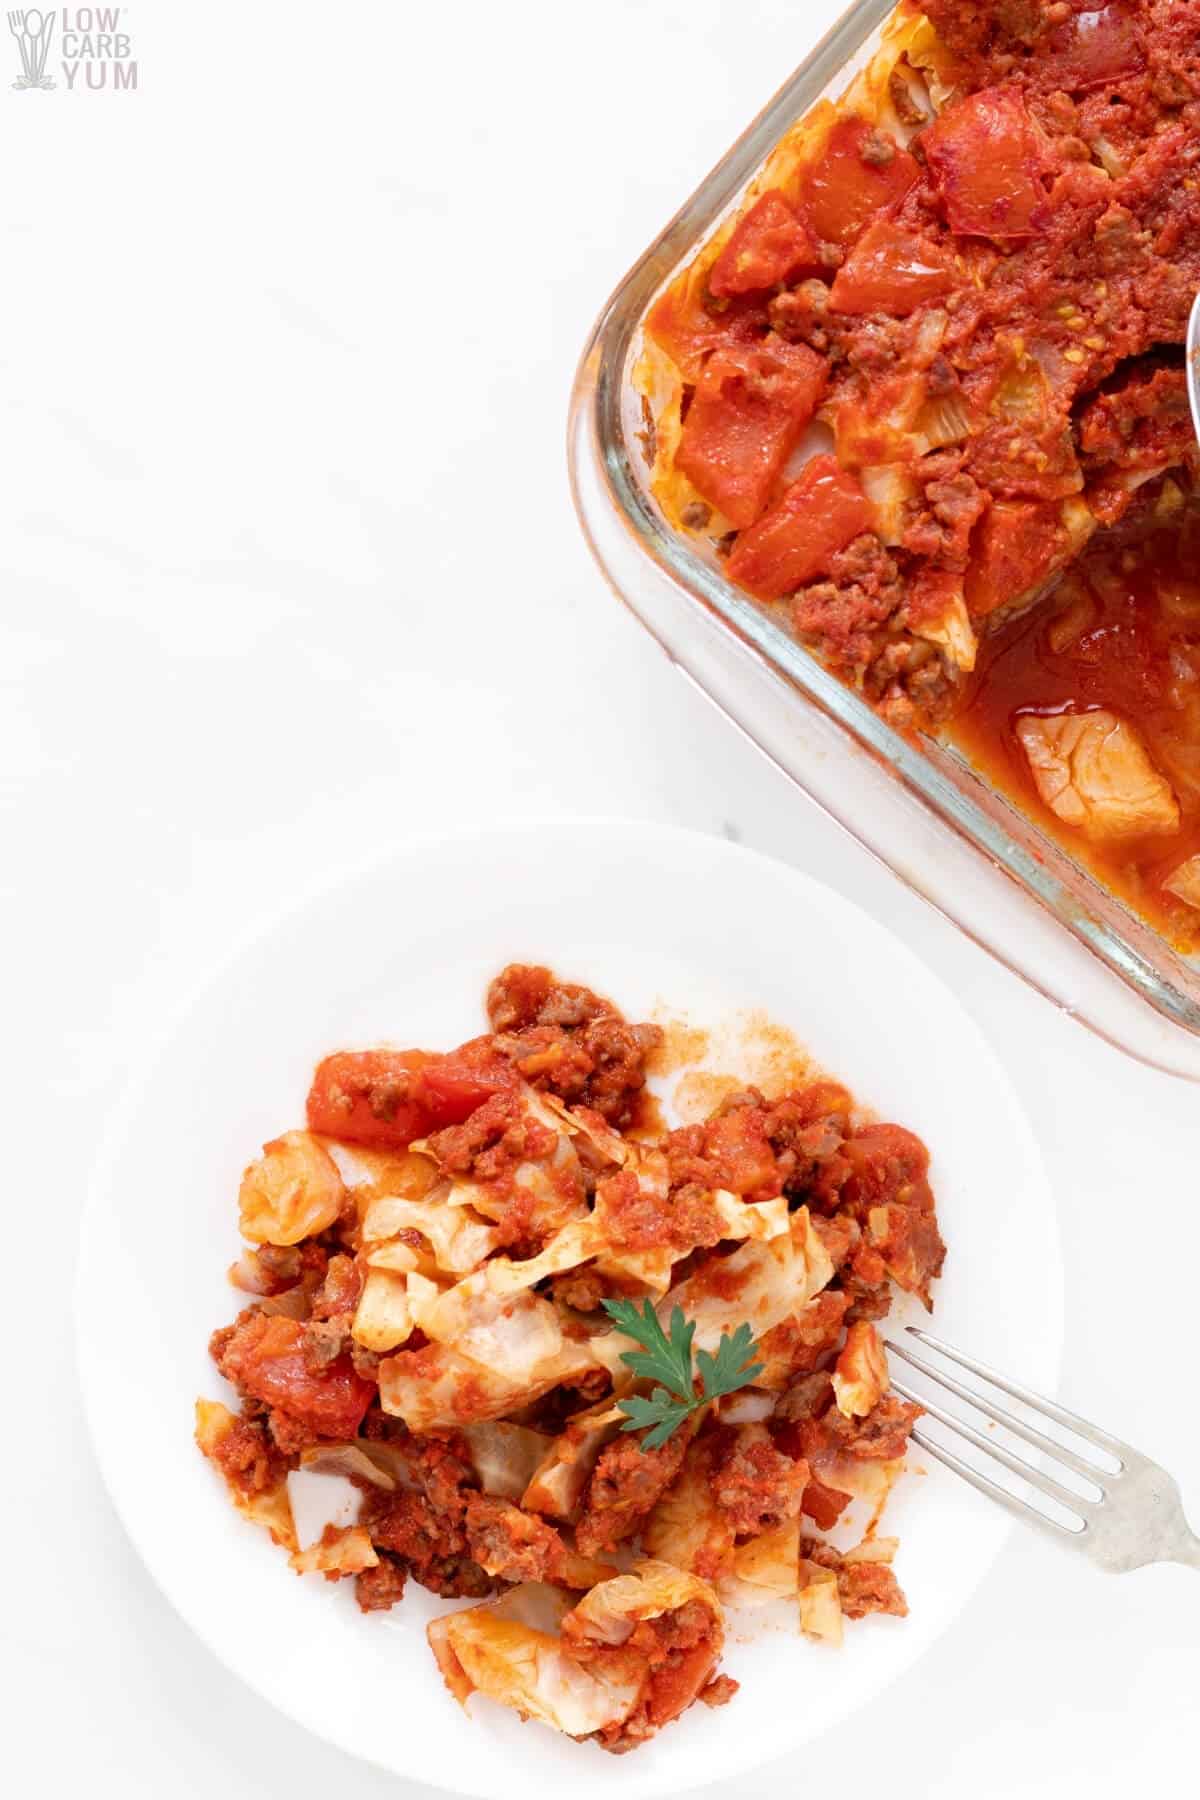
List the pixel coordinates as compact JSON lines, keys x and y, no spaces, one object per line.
{"x":402,"y":952}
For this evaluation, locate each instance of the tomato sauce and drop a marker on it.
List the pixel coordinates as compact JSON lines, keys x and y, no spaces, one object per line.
{"x":1122,"y":632}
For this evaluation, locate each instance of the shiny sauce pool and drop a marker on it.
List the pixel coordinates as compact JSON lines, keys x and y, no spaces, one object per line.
{"x":1121,"y":632}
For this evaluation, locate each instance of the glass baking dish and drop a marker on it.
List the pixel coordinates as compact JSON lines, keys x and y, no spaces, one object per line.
{"x":918,"y":805}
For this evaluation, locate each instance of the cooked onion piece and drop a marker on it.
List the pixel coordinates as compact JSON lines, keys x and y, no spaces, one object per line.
{"x":506,"y":1456}
{"x":383,"y":1319}
{"x":292,"y":1192}
{"x":820,"y":1607}
{"x":337,"y":1552}
{"x":764,"y":1568}
{"x":1093,"y":770}
{"x":556,"y":1485}
{"x":861,"y":1375}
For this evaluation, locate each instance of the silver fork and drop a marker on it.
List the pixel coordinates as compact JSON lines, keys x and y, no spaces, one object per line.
{"x":1137,"y":1516}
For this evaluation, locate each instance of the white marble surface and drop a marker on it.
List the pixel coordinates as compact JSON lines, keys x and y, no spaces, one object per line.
{"x":289,"y":569}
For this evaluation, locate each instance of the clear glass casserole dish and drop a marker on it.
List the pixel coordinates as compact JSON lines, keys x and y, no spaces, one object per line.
{"x":917,"y":804}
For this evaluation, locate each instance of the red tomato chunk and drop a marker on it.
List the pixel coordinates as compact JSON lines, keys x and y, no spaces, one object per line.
{"x":386,"y":1098}
{"x":1093,"y":49}
{"x":819,"y":515}
{"x":891,"y":270}
{"x":1016,"y":545}
{"x":747,"y":415}
{"x":769,"y":245}
{"x":860,"y":173}
{"x":266,"y":1357}
{"x":988,"y":161}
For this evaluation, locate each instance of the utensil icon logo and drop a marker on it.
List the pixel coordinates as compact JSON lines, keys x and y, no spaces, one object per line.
{"x":33,"y":31}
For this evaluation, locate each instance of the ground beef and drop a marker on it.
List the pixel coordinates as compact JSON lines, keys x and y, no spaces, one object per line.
{"x":379,"y":1588}
{"x":290,"y":1434}
{"x":495,"y":1140}
{"x":326,"y":1339}
{"x":863,"y":1587}
{"x":756,"y":1486}
{"x":626,"y":1483}
{"x":571,"y":1041}
{"x":510,"y":1543}
{"x":524,"y":995}
{"x":248,"y":1455}
{"x":439,"y":1463}
{"x":877,"y":149}
{"x":731,"y":1150}
{"x":900,"y":92}
{"x":431,"y":1544}
{"x":839,"y":1235}
{"x":807,"y":1398}
{"x":339,"y":1291}
{"x":581,"y":1289}
{"x":847,"y":611}
{"x":638,"y":1216}
{"x":942,"y":530}
{"x":870,"y":1588}
{"x":864,"y":1281}
{"x":720,"y":1691}
{"x":879,"y":1437}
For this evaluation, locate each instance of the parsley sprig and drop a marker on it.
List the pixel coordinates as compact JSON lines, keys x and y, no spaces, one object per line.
{"x":666,"y":1359}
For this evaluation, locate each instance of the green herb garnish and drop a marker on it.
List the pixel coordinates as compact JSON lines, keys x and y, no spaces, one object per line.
{"x":667,"y":1360}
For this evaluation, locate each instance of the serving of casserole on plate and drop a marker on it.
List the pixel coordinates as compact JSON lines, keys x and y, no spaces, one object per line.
{"x":616,"y":1375}
{"x":450,"y":1256}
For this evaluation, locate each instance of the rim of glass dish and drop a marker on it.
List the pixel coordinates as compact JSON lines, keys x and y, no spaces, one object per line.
{"x":604,"y":369}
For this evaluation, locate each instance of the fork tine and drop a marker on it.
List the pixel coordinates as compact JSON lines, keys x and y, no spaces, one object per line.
{"x":1020,"y":1509}
{"x":1037,"y":1439}
{"x":1091,"y":1434}
{"x":1045,"y":1484}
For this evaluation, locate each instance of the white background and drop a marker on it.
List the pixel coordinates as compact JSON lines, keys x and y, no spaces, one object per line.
{"x":290,"y":570}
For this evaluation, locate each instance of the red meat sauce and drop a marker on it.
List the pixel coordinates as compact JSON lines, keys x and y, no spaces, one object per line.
{"x":987,"y":302}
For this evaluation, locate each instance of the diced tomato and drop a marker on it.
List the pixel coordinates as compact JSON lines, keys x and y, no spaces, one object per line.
{"x":768,"y":246}
{"x":685,"y":327}
{"x":463,"y":1079}
{"x":1016,"y":544}
{"x":387,"y":1098}
{"x":989,"y":162}
{"x":747,"y":415}
{"x":1092,"y":49}
{"x":824,"y":1505}
{"x":891,"y":270}
{"x":859,"y":173}
{"x":819,"y":515}
{"x":887,"y":1163}
{"x":266,"y":1357}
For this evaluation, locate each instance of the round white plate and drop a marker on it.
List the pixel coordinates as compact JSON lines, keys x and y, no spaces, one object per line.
{"x":402,"y":952}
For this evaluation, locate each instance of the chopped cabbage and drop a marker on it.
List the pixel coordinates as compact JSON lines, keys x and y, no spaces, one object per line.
{"x":292,"y":1192}
{"x":1093,"y":770}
